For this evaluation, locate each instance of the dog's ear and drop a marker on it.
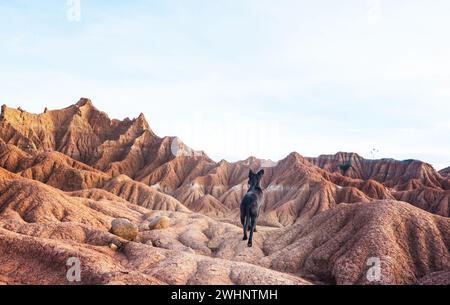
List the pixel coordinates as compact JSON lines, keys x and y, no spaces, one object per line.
{"x":261,"y":173}
{"x":251,"y":174}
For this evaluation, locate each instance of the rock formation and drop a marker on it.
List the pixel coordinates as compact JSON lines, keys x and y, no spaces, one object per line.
{"x":75,"y":183}
{"x":124,"y":228}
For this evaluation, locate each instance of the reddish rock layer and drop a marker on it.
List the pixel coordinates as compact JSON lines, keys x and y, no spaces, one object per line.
{"x":66,"y":174}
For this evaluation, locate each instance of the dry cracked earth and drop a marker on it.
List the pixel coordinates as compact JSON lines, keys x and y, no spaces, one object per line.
{"x":135,"y":208}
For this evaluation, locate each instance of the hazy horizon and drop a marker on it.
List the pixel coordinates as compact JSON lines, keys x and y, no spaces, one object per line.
{"x":251,"y":78}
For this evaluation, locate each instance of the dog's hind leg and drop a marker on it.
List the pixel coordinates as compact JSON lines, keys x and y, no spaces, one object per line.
{"x":245,"y":220}
{"x":252,"y":229}
{"x":249,"y":227}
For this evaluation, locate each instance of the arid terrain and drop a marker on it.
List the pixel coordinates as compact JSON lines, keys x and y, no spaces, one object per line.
{"x":136,"y":208}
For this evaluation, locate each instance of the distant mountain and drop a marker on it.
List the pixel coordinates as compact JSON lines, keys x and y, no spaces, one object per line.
{"x":445,"y":172}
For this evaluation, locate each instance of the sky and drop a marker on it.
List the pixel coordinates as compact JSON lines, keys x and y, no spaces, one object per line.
{"x":239,"y":78}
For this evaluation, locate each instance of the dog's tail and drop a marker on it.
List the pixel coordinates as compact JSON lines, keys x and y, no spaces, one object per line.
{"x":245,"y":211}
{"x":247,"y":218}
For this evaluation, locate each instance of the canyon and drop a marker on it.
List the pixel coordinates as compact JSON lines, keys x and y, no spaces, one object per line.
{"x":67,"y":174}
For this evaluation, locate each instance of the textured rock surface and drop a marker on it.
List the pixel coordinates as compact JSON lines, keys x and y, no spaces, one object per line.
{"x":337,"y":244}
{"x":66,"y":175}
{"x":159,"y":222}
{"x":124,"y":228}
{"x":401,"y":173}
{"x":41,"y":228}
{"x":437,"y":278}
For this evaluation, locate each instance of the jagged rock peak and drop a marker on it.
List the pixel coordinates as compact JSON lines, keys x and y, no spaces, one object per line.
{"x":2,"y":113}
{"x":84,"y":102}
{"x":295,"y":157}
{"x":142,"y":121}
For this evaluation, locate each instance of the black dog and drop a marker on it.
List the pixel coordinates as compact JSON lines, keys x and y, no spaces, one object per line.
{"x":251,"y":203}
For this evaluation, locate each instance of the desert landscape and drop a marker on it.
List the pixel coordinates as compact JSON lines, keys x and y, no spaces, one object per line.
{"x":136,"y":208}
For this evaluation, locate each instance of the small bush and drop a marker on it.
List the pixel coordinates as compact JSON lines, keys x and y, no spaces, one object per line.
{"x":346,"y":166}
